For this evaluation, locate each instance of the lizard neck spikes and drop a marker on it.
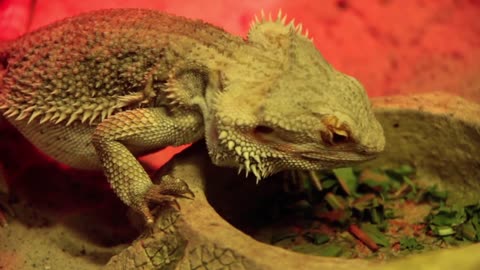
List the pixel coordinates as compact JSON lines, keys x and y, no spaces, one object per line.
{"x":280,"y":20}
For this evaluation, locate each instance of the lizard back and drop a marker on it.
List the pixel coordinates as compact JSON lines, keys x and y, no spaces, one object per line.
{"x":90,"y":66}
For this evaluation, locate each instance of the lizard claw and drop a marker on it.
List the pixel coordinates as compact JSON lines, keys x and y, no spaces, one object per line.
{"x":167,"y":191}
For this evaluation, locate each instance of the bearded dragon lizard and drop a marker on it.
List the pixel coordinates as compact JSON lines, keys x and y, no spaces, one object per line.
{"x":97,"y":90}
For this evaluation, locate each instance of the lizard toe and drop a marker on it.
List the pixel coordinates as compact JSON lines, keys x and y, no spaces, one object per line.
{"x":172,"y":186}
{"x":166,"y":192}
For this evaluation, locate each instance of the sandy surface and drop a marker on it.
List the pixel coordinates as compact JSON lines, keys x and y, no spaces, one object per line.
{"x":64,"y":218}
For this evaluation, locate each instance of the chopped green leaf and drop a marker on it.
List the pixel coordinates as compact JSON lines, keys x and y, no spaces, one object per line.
{"x":347,"y":180}
{"x":317,"y":238}
{"x":404,"y":170}
{"x":329,"y":183}
{"x":468,"y":231}
{"x":375,"y":179}
{"x":436,"y":195}
{"x":363,"y":202}
{"x":389,"y":213}
{"x":375,"y":234}
{"x":410,"y":243}
{"x":336,"y":202}
{"x":377,"y":216}
{"x":448,"y":216}
{"x":402,"y":191}
{"x":409,"y":182}
{"x":476,"y":224}
{"x":330,"y":251}
{"x":443,"y":230}
{"x":449,"y":239}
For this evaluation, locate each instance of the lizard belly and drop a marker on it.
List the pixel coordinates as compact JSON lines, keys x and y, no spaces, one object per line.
{"x":71,"y":146}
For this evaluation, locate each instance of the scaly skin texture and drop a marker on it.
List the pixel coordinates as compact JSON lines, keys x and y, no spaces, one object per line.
{"x":96,"y":90}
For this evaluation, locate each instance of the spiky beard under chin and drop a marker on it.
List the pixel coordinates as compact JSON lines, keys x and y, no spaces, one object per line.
{"x":246,"y":161}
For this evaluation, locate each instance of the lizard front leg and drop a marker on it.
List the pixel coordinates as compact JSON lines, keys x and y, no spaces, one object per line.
{"x":119,"y":136}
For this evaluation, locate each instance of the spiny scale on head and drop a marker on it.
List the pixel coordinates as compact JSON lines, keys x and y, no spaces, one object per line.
{"x":281,"y":19}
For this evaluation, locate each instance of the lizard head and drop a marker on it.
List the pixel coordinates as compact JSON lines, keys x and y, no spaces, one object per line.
{"x":290,"y":109}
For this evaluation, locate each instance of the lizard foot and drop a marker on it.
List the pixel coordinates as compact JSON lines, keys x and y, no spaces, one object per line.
{"x":167,"y":191}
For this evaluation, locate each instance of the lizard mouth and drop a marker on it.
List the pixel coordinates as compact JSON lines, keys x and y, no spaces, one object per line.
{"x":263,"y":160}
{"x":262,"y":150}
{"x":337,"y":156}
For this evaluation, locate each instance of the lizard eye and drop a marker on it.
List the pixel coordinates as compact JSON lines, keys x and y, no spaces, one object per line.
{"x":264,"y":133}
{"x":335,"y":137}
{"x":263,"y":130}
{"x":336,"y":133}
{"x":339,"y":138}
